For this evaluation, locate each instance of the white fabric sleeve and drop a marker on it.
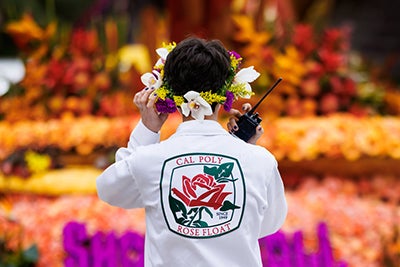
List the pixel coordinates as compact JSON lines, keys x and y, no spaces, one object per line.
{"x":140,"y":136}
{"x":276,"y":210}
{"x":118,"y":187}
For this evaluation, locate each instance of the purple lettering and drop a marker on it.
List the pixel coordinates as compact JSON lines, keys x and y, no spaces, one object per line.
{"x":132,"y":250}
{"x":104,"y":247}
{"x":75,"y":242}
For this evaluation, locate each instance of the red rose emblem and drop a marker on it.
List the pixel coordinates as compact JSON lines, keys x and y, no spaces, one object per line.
{"x":201,"y":190}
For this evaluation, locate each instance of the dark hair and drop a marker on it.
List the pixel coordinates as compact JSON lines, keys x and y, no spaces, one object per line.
{"x":198,"y":65}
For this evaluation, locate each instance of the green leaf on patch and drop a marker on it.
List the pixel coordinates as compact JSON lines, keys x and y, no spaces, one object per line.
{"x":199,"y":223}
{"x":192,"y":210}
{"x":227,"y":205}
{"x":226,"y":180}
{"x":213,"y":171}
{"x":225,"y":170}
{"x":177,"y":206}
{"x":208,"y":211}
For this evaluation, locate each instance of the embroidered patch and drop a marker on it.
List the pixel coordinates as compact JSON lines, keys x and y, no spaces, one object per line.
{"x":202,"y":195}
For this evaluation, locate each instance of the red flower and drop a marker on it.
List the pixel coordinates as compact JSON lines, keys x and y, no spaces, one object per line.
{"x":330,"y":60}
{"x":336,"y":84}
{"x":336,"y":39}
{"x":84,"y":42}
{"x":201,"y":190}
{"x":55,"y":74}
{"x":303,"y":38}
{"x":349,"y":87}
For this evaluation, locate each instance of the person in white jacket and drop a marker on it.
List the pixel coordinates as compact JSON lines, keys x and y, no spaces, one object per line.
{"x":208,"y":195}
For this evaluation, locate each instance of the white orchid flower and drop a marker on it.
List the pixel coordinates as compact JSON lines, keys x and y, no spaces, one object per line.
{"x":246,"y":76}
{"x":196,"y":106}
{"x":152,"y":80}
{"x":163,"y":53}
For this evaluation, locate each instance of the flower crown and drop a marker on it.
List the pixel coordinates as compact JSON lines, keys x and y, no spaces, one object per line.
{"x":195,"y":103}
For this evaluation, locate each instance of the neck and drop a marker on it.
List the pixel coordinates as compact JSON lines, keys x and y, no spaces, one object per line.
{"x":211,"y":118}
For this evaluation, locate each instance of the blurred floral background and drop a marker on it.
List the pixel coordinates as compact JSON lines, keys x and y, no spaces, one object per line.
{"x":69,"y":70}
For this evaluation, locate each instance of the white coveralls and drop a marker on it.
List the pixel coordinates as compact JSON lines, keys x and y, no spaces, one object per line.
{"x":208,"y":196}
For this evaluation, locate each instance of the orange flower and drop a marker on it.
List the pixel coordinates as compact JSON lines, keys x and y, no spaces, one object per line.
{"x":291,"y":65}
{"x":26,"y":32}
{"x":255,"y":40}
{"x":111,"y":30}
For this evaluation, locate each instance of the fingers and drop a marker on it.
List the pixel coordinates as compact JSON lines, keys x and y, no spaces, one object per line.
{"x":236,"y":113}
{"x":141,"y":98}
{"x":152,"y":99}
{"x":246,"y":107}
{"x":232,"y":125}
{"x":257,"y":135}
{"x":151,"y":118}
{"x":259,"y":130}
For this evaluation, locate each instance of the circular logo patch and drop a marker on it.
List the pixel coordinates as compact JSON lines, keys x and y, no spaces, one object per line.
{"x":202,"y":195}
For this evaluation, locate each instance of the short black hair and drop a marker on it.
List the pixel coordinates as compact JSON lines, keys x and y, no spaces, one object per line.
{"x":197,"y":65}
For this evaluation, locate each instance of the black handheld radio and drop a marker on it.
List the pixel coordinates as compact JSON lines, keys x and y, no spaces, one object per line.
{"x":249,"y":121}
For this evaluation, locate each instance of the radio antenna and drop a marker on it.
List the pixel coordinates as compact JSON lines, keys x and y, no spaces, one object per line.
{"x":266,"y":94}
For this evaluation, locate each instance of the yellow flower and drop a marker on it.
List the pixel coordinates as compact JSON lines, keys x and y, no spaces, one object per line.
{"x":36,"y":162}
{"x":136,"y":56}
{"x":212,"y":98}
{"x":162,"y":92}
{"x":239,"y":90}
{"x":169,"y":46}
{"x":111,"y":62}
{"x":291,"y":64}
{"x":254,"y":41}
{"x":178,"y":100}
{"x":235,"y":61}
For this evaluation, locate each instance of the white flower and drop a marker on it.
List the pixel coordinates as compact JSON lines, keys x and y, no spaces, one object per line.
{"x":163,"y":53}
{"x":152,"y":80}
{"x":196,"y":106}
{"x":246,"y":76}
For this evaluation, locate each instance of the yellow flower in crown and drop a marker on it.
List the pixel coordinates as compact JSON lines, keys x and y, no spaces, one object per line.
{"x":236,"y":85}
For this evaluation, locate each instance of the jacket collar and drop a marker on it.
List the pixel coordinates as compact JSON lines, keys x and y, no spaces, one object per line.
{"x":197,"y":127}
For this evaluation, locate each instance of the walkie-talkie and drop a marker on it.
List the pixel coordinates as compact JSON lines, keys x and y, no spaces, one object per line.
{"x":249,"y":121}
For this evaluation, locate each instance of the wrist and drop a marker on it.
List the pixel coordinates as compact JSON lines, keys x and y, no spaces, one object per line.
{"x":151,"y":127}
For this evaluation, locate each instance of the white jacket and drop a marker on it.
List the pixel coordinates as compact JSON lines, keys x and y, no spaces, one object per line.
{"x":208,"y":196}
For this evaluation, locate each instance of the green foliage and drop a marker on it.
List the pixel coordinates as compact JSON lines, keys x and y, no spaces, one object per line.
{"x":45,"y":10}
{"x":19,"y":258}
